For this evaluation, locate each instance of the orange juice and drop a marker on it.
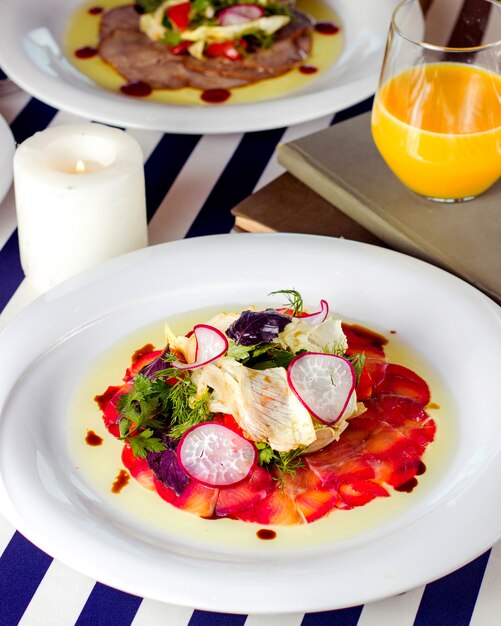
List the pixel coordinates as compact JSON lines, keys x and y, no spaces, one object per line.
{"x":438,"y":127}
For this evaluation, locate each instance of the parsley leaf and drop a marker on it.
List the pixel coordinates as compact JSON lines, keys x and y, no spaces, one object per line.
{"x":144,"y":442}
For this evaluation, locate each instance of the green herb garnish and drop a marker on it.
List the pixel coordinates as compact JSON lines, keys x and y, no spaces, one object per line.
{"x":358,"y":362}
{"x":285,"y":463}
{"x":294,"y":300}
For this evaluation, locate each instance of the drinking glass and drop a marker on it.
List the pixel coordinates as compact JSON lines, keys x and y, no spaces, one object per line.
{"x":436,"y":118}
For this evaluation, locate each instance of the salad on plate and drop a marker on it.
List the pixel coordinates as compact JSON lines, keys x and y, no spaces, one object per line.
{"x":274,"y":416}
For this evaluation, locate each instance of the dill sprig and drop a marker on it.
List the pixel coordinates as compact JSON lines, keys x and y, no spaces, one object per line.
{"x":294,"y":300}
{"x":186,"y":408}
{"x":358,"y":362}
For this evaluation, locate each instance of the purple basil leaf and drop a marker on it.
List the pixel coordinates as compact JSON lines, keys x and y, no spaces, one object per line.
{"x":253,"y":327}
{"x":166,"y":468}
{"x":155,"y":366}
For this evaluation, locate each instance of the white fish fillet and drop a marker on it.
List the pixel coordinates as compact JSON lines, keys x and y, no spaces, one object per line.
{"x":298,"y":335}
{"x":260,"y":401}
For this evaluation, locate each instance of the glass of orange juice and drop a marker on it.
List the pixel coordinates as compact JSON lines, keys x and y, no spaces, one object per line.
{"x":436,"y":118}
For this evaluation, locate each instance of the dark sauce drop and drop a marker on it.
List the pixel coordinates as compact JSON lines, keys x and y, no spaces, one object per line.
{"x":421,"y":469}
{"x":137,"y":88}
{"x":326,"y":28}
{"x":308,"y":69}
{"x":146,"y":349}
{"x":95,"y":10}
{"x":121,"y":481}
{"x":408,"y":486}
{"x":266,"y":534}
{"x":87,"y":52}
{"x":215,"y":96}
{"x":393,"y":332}
{"x":91,"y":439}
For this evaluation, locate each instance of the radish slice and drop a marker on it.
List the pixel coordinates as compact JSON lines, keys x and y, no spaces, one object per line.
{"x":239,"y":14}
{"x":211,"y":344}
{"x":310,"y":318}
{"x":323,"y":383}
{"x":216,"y":455}
{"x":320,"y":316}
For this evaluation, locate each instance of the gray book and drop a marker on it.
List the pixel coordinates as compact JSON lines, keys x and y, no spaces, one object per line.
{"x":343,"y":166}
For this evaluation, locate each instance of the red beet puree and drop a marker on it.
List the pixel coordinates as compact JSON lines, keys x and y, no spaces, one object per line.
{"x":215,"y":96}
{"x":326,"y":28}
{"x":87,"y":52}
{"x":137,"y":88}
{"x":308,"y":69}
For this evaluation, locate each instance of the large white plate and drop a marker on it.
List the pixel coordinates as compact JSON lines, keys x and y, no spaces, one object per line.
{"x":50,"y":345}
{"x":6,"y":155}
{"x":31,"y":54}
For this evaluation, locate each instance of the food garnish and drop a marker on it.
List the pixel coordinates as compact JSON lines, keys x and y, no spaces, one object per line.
{"x":274,"y":416}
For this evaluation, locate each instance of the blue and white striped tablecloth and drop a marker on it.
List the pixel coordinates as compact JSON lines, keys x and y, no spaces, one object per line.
{"x":192,"y":182}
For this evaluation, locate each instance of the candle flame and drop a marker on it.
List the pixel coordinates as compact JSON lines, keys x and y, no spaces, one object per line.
{"x":80,"y":167}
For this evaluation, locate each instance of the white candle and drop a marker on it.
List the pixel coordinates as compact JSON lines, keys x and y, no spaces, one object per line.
{"x":80,"y":199}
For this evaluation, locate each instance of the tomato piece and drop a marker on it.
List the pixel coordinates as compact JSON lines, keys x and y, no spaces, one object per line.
{"x":181,"y":47}
{"x":226,"y":49}
{"x":179,"y":15}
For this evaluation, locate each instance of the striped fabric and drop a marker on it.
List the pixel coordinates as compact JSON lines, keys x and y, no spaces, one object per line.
{"x":36,"y":590}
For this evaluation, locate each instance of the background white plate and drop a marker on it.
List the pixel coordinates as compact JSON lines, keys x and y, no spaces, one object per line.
{"x":31,"y":54}
{"x":51,"y":344}
{"x":7,"y":147}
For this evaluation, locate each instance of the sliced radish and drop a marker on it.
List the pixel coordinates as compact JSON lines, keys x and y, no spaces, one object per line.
{"x":239,"y":14}
{"x":216,"y":455}
{"x":319,"y":316}
{"x":323,"y":383}
{"x":310,"y":318}
{"x":211,"y":344}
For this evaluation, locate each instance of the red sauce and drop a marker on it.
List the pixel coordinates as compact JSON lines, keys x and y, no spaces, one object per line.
{"x":326,"y":28}
{"x":421,"y":469}
{"x":95,"y":10}
{"x":87,"y":52}
{"x":214,"y":96}
{"x":308,"y":69}
{"x":146,"y":349}
{"x":121,"y":481}
{"x":92,"y":439}
{"x":137,"y":88}
{"x":266,"y":534}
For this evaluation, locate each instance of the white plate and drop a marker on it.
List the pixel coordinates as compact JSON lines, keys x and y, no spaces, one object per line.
{"x":31,"y":54}
{"x":48,"y":348}
{"x":8,"y":146}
